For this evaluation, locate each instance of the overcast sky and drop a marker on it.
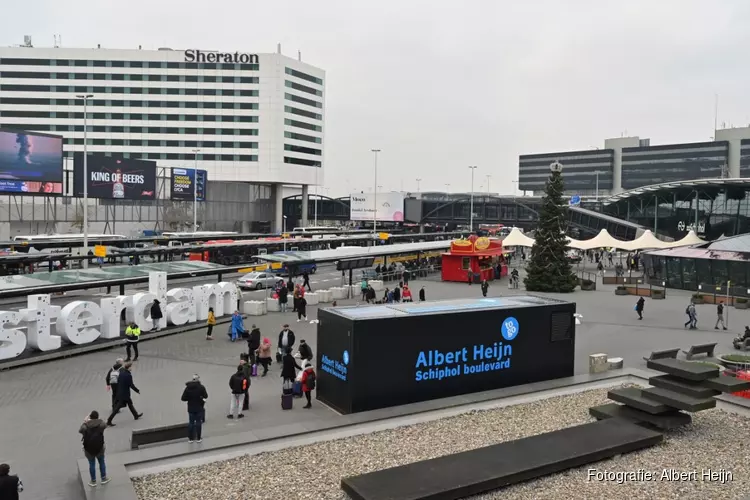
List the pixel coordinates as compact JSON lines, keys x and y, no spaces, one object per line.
{"x":440,"y":85}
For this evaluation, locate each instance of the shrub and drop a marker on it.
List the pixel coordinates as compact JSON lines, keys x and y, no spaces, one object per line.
{"x":622,"y":287}
{"x":736,"y":358}
{"x":585,"y":282}
{"x":740,"y":300}
{"x":697,"y":296}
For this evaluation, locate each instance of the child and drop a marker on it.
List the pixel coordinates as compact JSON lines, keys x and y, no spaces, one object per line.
{"x":211,"y":322}
{"x":308,"y":382}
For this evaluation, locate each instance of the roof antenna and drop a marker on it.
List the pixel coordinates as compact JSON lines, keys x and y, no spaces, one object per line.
{"x":299,"y":55}
{"x":278,"y":48}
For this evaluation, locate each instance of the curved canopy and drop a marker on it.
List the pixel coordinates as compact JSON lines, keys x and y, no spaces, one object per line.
{"x":517,"y":239}
{"x":601,"y":240}
{"x":690,"y":239}
{"x":646,"y":240}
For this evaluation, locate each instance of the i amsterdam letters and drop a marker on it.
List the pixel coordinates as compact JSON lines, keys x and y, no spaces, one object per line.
{"x":195,"y":55}
{"x":83,"y":322}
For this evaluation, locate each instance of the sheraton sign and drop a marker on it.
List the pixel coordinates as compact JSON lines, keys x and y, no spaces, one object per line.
{"x":195,"y":55}
{"x":43,"y":326}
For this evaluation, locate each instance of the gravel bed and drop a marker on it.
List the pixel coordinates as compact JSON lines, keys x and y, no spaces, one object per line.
{"x":716,"y":440}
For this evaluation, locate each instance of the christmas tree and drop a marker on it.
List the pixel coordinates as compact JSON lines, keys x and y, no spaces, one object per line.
{"x":548,"y":269}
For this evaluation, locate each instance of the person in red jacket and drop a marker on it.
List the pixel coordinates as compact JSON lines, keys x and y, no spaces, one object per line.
{"x":308,"y":382}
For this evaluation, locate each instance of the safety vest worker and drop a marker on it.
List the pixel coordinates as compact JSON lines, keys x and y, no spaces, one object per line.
{"x":132,"y":333}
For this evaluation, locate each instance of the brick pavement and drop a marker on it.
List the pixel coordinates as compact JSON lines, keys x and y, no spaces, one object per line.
{"x":44,"y":404}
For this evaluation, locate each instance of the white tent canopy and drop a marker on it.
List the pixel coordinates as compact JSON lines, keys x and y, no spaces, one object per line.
{"x":690,"y":239}
{"x":601,"y":240}
{"x":646,"y":240}
{"x":517,"y":239}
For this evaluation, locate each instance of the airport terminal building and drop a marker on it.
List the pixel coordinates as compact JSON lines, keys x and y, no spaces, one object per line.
{"x":254,"y":122}
{"x":628,"y":163}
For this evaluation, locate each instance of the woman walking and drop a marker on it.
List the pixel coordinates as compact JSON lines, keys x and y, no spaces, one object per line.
{"x":210,"y":322}
{"x":264,"y":355}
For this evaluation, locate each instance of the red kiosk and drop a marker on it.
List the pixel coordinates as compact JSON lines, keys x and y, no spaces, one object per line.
{"x":480,"y":255}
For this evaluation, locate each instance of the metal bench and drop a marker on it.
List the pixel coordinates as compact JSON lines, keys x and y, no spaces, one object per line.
{"x":707,"y":349}
{"x":665,"y":354}
{"x":139,"y":437}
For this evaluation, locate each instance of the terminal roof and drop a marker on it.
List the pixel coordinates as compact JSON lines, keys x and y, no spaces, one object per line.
{"x":442,"y":307}
{"x":354,"y":252}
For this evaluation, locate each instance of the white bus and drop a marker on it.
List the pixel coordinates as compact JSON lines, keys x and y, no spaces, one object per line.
{"x":43,"y":238}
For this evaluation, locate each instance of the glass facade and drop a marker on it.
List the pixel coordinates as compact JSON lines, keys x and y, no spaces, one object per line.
{"x":580,"y":170}
{"x":687,"y":274}
{"x":720,"y":209}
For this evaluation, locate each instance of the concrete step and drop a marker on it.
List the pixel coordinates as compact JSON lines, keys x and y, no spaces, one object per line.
{"x":664,"y":421}
{"x":676,"y":384}
{"x":679,"y":401}
{"x":725,"y":383}
{"x":684,"y":369}
{"x":633,"y":397}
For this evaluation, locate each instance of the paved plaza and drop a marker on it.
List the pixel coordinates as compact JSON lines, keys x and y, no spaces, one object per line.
{"x":42,"y":406}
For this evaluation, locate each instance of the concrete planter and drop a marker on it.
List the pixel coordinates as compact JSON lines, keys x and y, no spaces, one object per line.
{"x":733,"y":365}
{"x":697,"y":300}
{"x":741,"y":305}
{"x":621,"y":291}
{"x":325,"y":296}
{"x":657,"y":294}
{"x":273,"y":305}
{"x":255,"y":307}
{"x":312,"y":298}
{"x":588,"y":286}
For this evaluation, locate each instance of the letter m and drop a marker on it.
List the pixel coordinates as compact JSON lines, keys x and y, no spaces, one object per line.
{"x":221,"y":296}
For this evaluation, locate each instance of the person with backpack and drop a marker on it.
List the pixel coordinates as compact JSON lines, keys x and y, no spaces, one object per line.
{"x":692,"y":315}
{"x":10,"y":485}
{"x":112,"y":378}
{"x":308,"y":383}
{"x":132,"y":336}
{"x":92,"y":430}
{"x":247,"y":371}
{"x":238,"y":384}
{"x":720,"y":316}
{"x":195,"y":395}
{"x":124,"y":398}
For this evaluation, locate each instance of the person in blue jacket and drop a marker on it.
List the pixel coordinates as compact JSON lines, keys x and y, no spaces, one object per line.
{"x":237,"y":326}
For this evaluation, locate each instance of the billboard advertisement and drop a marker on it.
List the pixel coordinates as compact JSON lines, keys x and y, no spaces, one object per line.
{"x":115,"y":178}
{"x":184,"y":187}
{"x":30,"y":156}
{"x":30,"y":187}
{"x":387,"y":206}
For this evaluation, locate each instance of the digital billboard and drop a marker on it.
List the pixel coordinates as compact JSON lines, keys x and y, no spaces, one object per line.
{"x":390,"y":206}
{"x":30,"y":156}
{"x":184,"y":187}
{"x":115,"y":178}
{"x":30,"y":187}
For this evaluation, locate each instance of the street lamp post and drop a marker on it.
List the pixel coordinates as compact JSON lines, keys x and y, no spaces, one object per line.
{"x":85,"y":98}
{"x":418,"y":181}
{"x":488,"y":185}
{"x":283,"y":230}
{"x":195,"y":191}
{"x":316,"y":198}
{"x":471,"y":198}
{"x":375,"y":195}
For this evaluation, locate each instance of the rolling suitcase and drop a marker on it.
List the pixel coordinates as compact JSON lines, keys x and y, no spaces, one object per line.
{"x":254,"y":371}
{"x":287,"y":401}
{"x":297,"y":389}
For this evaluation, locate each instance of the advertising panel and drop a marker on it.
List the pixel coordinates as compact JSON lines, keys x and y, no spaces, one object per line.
{"x":183,"y":187}
{"x":390,"y":206}
{"x":116,"y":178}
{"x":30,"y":187}
{"x":30,"y":156}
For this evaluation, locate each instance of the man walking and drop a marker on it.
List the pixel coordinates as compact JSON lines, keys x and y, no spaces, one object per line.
{"x":124,"y":385}
{"x":421,"y":295}
{"x":639,"y":307}
{"x":286,"y":340}
{"x":112,"y":378}
{"x":485,"y":287}
{"x":10,"y":486}
{"x":132,"y":336}
{"x":195,"y":396}
{"x":692,"y":317}
{"x":92,"y":429}
{"x":720,"y":316}
{"x":306,"y":282}
{"x":238,"y":385}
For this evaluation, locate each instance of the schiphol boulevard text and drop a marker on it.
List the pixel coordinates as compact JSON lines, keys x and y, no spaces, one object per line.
{"x":480,"y":358}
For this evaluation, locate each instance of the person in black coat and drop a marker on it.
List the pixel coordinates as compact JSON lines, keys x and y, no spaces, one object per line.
{"x":305,"y":352}
{"x":301,"y":309}
{"x":421,"y":294}
{"x":283,"y":297}
{"x":289,"y":366}
{"x":253,"y":344}
{"x":195,"y":395}
{"x":156,"y":314}
{"x":286,"y":341}
{"x":124,"y":384}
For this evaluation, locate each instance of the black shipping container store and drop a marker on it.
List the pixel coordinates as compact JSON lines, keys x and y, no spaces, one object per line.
{"x":371,"y":357}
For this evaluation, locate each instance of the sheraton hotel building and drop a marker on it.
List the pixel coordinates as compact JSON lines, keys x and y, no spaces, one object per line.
{"x":255,"y":121}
